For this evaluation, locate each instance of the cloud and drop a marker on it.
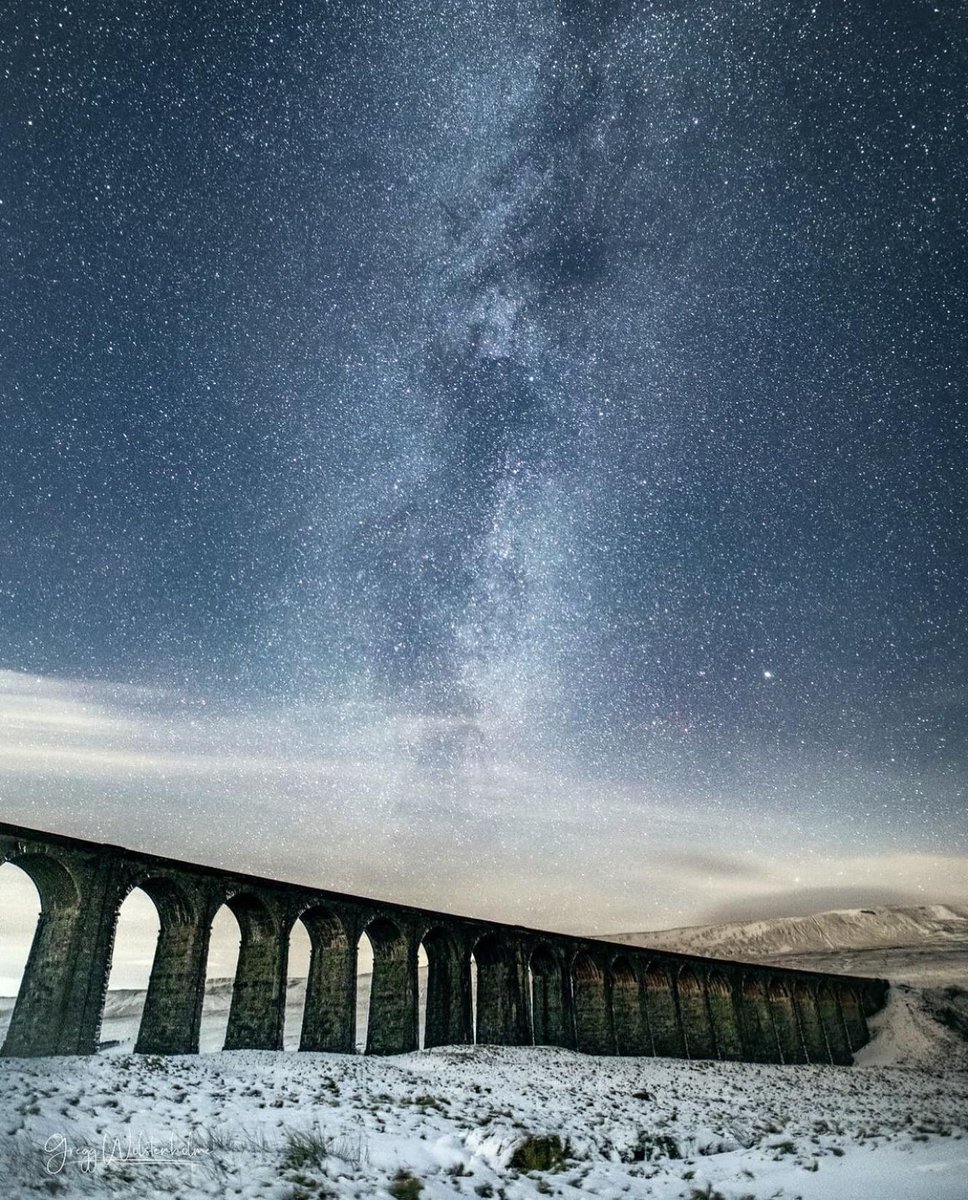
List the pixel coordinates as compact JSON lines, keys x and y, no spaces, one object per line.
{"x":347,"y":797}
{"x":719,"y":866}
{"x":807,"y":901}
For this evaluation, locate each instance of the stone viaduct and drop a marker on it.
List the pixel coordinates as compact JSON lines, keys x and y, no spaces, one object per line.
{"x":531,"y":987}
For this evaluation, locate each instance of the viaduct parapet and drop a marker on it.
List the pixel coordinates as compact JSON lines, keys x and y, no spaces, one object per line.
{"x":532,"y":987}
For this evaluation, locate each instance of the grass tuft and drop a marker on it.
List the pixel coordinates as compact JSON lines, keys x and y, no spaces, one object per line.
{"x":404,"y":1186}
{"x":539,"y":1153}
{"x":706,"y":1193}
{"x":304,"y":1148}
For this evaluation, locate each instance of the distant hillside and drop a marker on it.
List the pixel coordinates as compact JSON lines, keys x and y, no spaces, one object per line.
{"x":926,"y":946}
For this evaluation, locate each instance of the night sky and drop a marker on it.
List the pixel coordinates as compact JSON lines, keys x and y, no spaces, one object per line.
{"x":508,"y":457}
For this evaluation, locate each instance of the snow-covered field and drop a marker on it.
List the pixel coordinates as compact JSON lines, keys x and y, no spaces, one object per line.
{"x":456,"y":1122}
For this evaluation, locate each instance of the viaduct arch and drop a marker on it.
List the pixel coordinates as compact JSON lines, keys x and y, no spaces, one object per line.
{"x":533,"y":987}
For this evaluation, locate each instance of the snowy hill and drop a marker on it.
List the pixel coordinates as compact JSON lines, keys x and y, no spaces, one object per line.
{"x":925,"y":946}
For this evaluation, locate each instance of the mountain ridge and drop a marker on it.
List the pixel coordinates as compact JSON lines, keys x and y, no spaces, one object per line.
{"x":925,"y":945}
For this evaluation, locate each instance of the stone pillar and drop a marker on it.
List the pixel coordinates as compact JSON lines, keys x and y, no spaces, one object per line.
{"x":329,"y":1017}
{"x":785,"y":1022}
{"x":173,"y":1005}
{"x":855,"y":1022}
{"x":756,"y":1022}
{"x":59,"y":1004}
{"x":593,"y":1025}
{"x":665,"y":1026}
{"x":811,"y":1028}
{"x":449,"y":1020}
{"x":258,"y":1011}
{"x":832,"y":1021}
{"x":550,"y":1007}
{"x":722,"y":1014}
{"x":392,"y":1026}
{"x":696,"y":1027}
{"x":503,"y":1017}
{"x":628,"y":1012}
{"x":42,"y":999}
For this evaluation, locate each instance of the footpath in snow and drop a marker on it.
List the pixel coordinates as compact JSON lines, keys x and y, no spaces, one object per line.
{"x":493,"y":1122}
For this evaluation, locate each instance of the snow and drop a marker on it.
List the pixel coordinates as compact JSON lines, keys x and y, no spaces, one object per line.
{"x":926,"y":945}
{"x":291,"y":1126}
{"x":298,"y":1126}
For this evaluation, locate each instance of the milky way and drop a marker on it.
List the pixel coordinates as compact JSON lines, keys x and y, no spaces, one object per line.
{"x":534,"y":432}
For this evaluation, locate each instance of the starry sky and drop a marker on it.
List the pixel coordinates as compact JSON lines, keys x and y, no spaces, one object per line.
{"x":503,"y":456}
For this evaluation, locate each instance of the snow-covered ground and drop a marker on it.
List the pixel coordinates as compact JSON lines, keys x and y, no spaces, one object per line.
{"x":455,"y":1122}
